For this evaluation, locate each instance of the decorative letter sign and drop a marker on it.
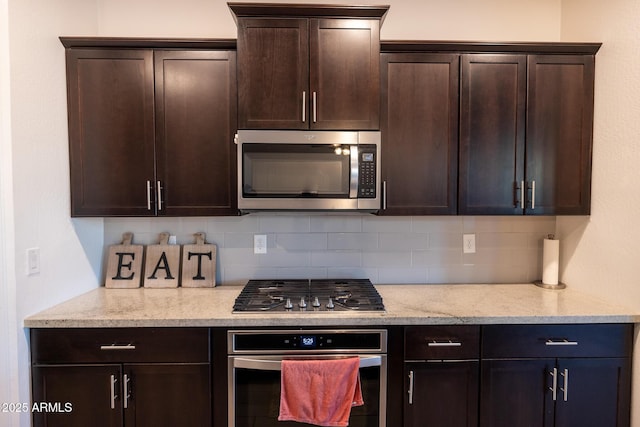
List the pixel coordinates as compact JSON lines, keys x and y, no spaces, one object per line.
{"x":163,"y":266}
{"x":124,"y":268}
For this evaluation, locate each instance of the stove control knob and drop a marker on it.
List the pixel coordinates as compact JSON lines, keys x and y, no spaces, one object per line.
{"x":330,"y":305}
{"x":316,"y":302}
{"x":303,"y":303}
{"x":288,"y":304}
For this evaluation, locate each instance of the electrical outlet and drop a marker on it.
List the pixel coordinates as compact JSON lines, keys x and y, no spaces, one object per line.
{"x":260,"y":244}
{"x":33,"y":261}
{"x":172,"y":240}
{"x":469,"y":243}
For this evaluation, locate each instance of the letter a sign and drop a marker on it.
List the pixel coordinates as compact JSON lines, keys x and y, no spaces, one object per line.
{"x":162,"y":264}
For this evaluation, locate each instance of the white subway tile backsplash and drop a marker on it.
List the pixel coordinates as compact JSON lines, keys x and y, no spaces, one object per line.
{"x":403,"y":241}
{"x":374,"y":223}
{"x":336,"y":259}
{"x":384,"y":249}
{"x":335,"y":224}
{"x":302,"y":241}
{"x":352,"y":241}
{"x":386,"y":259}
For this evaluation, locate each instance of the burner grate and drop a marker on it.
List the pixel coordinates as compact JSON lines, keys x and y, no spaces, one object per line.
{"x":309,"y":295}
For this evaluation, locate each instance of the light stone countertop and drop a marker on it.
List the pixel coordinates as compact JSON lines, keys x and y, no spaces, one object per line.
{"x":405,"y":305}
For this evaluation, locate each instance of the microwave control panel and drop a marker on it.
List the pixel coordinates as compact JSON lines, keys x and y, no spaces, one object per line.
{"x":367,"y":171}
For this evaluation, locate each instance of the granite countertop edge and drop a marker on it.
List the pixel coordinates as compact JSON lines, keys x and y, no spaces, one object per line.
{"x":415,"y":304}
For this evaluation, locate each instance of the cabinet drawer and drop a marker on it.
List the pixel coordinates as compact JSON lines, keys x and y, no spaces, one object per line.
{"x":598,"y":340}
{"x":94,"y":345}
{"x":442,"y":342}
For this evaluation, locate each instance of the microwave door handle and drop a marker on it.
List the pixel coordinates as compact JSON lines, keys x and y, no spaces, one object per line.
{"x":353,"y":181}
{"x":276,"y":365}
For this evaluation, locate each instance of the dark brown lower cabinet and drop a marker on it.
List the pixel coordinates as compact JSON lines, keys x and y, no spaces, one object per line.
{"x":441,"y":376}
{"x":143,"y":395}
{"x":442,"y":393}
{"x":556,"y":376}
{"x":149,"y":377}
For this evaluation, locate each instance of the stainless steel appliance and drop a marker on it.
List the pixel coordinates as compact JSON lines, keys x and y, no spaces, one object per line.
{"x":308,"y":170}
{"x":255,"y":357}
{"x":315,"y":295}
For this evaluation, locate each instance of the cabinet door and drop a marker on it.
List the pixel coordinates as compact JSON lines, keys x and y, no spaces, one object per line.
{"x":273,"y":73}
{"x":593,"y":393}
{"x":492,"y":131}
{"x":443,"y":394}
{"x":84,"y":396}
{"x":111,"y":131}
{"x":559,"y":133}
{"x":168,"y":395}
{"x":195,"y":124}
{"x":344,"y":73}
{"x":514,"y":393}
{"x":420,"y":133}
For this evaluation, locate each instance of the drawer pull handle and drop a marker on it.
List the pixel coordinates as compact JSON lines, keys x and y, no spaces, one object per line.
{"x":561,"y":342}
{"x":118,"y":347}
{"x":444,"y":344}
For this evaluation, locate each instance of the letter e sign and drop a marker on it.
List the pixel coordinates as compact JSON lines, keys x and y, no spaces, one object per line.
{"x":124,"y":265}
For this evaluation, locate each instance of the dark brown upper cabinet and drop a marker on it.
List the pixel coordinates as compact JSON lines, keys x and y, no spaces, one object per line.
{"x":492,"y":133}
{"x":151,"y":129}
{"x":419,"y":126}
{"x":308,"y":66}
{"x":526,"y":134}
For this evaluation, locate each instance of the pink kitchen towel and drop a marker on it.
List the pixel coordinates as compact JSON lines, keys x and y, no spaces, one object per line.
{"x":320,"y":391}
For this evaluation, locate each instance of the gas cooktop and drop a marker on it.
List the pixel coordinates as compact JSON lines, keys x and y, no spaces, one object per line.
{"x":316,"y":295}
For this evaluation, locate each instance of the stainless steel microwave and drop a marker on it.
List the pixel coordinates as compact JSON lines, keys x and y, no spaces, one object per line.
{"x":308,"y":170}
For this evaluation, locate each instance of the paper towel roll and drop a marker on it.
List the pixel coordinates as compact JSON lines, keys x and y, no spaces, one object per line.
{"x":550,"y":261}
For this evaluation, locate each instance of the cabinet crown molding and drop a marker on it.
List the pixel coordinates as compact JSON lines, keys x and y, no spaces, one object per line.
{"x":489,"y":47}
{"x":307,"y":10}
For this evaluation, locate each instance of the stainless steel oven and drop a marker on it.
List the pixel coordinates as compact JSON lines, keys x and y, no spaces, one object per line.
{"x":255,"y":357}
{"x":308,"y":170}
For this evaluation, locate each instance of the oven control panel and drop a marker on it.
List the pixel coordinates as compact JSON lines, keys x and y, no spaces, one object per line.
{"x":310,"y":340}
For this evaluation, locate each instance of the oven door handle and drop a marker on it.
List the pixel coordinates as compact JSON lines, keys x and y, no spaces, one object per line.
{"x":276,"y":364}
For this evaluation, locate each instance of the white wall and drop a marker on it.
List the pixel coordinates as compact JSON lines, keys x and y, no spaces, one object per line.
{"x":70,"y":251}
{"x":600,"y":253}
{"x":9,"y":389}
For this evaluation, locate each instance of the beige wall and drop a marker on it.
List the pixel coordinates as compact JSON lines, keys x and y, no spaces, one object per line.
{"x":537,"y":20}
{"x":600,"y":253}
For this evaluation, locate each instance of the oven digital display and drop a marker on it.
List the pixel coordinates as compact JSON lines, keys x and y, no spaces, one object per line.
{"x":308,"y":341}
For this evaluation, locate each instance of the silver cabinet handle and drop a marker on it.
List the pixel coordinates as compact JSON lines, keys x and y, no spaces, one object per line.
{"x":304,"y":106}
{"x":444,"y":344}
{"x":554,"y":384}
{"x":564,"y":342}
{"x":565,"y":389}
{"x":118,"y":347}
{"x":522,"y":194}
{"x":410,"y":392}
{"x":126,"y":393}
{"x":533,"y":194}
{"x":315,"y":105}
{"x":159,"y":187}
{"x":112,"y":391}
{"x":148,"y":195}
